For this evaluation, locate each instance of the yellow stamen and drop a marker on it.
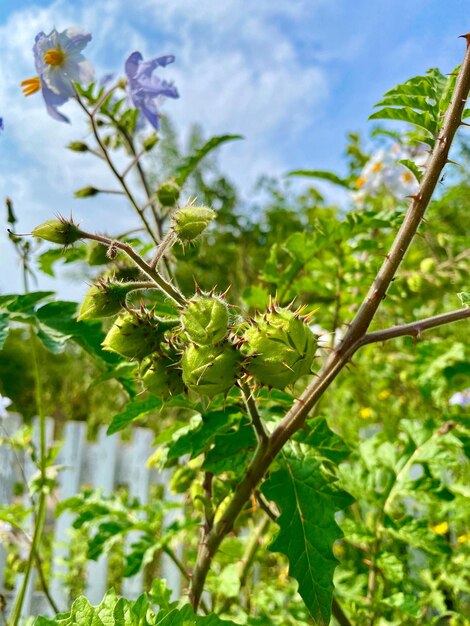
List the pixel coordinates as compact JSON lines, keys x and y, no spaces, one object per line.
{"x":55,"y":56}
{"x":407,"y":177}
{"x":360,"y":182}
{"x":377,"y":167}
{"x":31,"y":85}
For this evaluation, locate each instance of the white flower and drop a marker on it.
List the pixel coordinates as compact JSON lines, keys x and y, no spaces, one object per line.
{"x":4,"y":402}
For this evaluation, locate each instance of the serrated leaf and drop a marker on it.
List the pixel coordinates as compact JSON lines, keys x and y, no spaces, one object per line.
{"x":189,"y":164}
{"x":419,"y":102}
{"x":324,"y":441}
{"x":186,"y":617}
{"x":133,"y":411}
{"x":423,"y":120}
{"x":323,"y":175}
{"x":308,"y":501}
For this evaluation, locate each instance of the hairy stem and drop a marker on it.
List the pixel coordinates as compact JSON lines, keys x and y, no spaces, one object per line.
{"x":164,"y":285}
{"x":296,"y":416}
{"x":119,"y":177}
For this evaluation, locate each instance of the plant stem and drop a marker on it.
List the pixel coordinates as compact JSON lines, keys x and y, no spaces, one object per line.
{"x":296,"y":416}
{"x":414,"y":329}
{"x":40,"y":515}
{"x":122,"y":182}
{"x":165,"y":286}
{"x":163,"y":246}
{"x":252,"y":409}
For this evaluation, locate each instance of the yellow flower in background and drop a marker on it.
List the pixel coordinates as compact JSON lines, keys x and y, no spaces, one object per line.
{"x":463,"y":538}
{"x":384,"y":394}
{"x":440,"y":529}
{"x":365,"y":412}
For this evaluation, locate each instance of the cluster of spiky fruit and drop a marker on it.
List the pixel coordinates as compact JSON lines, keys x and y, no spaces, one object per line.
{"x":204,"y":352}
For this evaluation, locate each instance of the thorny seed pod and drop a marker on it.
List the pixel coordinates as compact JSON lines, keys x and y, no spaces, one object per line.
{"x":60,"y":231}
{"x":162,"y":377}
{"x":191,"y":221}
{"x":281,"y":348}
{"x":168,"y":193}
{"x":205,"y":320}
{"x":104,"y":299}
{"x":135,"y":335}
{"x":210,"y":370}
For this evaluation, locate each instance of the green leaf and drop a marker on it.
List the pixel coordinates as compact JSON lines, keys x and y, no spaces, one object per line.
{"x":414,"y":169}
{"x":464,"y":297}
{"x":308,"y":501}
{"x":323,"y":175}
{"x":133,"y":411}
{"x":61,"y":317}
{"x":4,"y":326}
{"x":324,"y":441}
{"x":423,"y":120}
{"x":189,"y":164}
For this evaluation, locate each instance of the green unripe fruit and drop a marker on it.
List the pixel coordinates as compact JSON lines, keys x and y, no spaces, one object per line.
{"x":168,"y":193}
{"x":205,"y":320}
{"x":135,"y":336}
{"x":281,"y":348}
{"x":104,"y":299}
{"x":58,"y":231}
{"x":427,"y":265}
{"x":162,"y":377}
{"x":210,"y":370}
{"x":96,"y":254}
{"x":415,"y":282}
{"x":190,"y":222}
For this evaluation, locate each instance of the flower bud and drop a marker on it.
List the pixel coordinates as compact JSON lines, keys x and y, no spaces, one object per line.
{"x":210,"y":370}
{"x":104,"y":299}
{"x":162,"y":377}
{"x":58,"y":231}
{"x":281,"y":348}
{"x":191,"y":221}
{"x":86,"y":192}
{"x":205,"y":320}
{"x":135,"y":335}
{"x":78,"y":146}
{"x":168,"y":193}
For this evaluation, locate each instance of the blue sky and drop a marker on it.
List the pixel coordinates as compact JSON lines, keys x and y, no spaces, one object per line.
{"x":292,"y":76}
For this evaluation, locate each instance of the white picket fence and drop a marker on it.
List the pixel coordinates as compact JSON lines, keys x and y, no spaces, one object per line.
{"x":104,"y":464}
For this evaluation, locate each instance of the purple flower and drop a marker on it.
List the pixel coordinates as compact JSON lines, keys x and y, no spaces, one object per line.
{"x":461,"y":398}
{"x":59,"y":63}
{"x":144,"y":88}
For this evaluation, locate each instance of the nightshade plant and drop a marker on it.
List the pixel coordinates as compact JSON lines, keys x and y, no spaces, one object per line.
{"x":239,"y":378}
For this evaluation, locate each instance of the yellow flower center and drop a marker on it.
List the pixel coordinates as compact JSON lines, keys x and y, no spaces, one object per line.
{"x":407,"y":177}
{"x":31,"y":85}
{"x":55,"y":56}
{"x":376,"y":167}
{"x":360,"y":182}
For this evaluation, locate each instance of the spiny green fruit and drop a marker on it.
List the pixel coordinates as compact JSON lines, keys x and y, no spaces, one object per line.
{"x":136,"y":335}
{"x":96,"y":253}
{"x":191,"y":221}
{"x":210,"y":370}
{"x":60,"y":231}
{"x":104,"y":299}
{"x":168,"y":193}
{"x":281,"y":347}
{"x":205,"y":320}
{"x":162,"y":377}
